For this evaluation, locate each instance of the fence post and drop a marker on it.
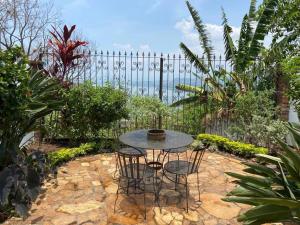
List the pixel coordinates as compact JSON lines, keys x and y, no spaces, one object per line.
{"x":161,"y":74}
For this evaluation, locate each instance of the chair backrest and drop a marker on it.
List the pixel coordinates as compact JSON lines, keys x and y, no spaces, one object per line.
{"x":196,"y":158}
{"x":130,"y":165}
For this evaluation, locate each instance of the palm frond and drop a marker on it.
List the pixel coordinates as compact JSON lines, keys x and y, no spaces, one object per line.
{"x":279,"y":47}
{"x":197,"y":76}
{"x":203,"y":36}
{"x":252,"y":10}
{"x":230,"y":49}
{"x":189,"y":88}
{"x":217,"y":87}
{"x":262,"y":27}
{"x":239,"y":81}
{"x":188,"y":100}
{"x":193,"y":58}
{"x":243,"y":44}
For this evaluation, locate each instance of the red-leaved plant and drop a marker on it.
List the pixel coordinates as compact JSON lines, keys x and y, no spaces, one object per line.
{"x":65,"y":53}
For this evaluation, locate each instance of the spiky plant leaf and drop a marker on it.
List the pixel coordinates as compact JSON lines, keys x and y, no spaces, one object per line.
{"x":243,"y":45}
{"x":189,"y":88}
{"x":277,"y":202}
{"x":292,"y":155}
{"x":295,"y":131}
{"x":239,"y":81}
{"x":290,"y":203}
{"x":258,"y":169}
{"x":188,"y":100}
{"x":198,"y":63}
{"x":230,"y":50}
{"x":217,"y":87}
{"x":268,"y":158}
{"x":252,"y":10}
{"x":203,"y":36}
{"x":251,"y":179}
{"x":265,"y":214}
{"x":262,"y":27}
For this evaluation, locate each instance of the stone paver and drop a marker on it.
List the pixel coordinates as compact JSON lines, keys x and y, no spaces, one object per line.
{"x":84,"y":193}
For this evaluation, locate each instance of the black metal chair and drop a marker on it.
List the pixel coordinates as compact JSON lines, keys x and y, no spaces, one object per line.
{"x":132,"y":172}
{"x":183,"y":168}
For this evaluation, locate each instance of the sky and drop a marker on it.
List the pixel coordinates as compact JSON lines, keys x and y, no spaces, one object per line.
{"x":150,"y":25}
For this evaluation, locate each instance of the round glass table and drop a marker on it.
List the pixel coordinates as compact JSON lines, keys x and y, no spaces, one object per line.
{"x":174,"y":140}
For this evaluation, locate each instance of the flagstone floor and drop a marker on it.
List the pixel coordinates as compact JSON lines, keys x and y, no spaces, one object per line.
{"x":85,"y":190}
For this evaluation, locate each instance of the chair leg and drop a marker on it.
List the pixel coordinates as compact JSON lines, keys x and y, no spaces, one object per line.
{"x":116,"y":169}
{"x":127,"y":188}
{"x":176,"y":181}
{"x":187,"y":194}
{"x":117,"y":195}
{"x":145,"y":210}
{"x":198,"y":185}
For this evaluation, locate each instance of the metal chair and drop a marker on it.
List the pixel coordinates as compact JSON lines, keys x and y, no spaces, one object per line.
{"x":183,"y":168}
{"x":132,"y":172}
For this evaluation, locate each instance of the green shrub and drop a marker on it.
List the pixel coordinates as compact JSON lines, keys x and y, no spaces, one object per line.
{"x":228,"y":145}
{"x":89,"y":109}
{"x":145,"y":111}
{"x":66,"y":154}
{"x":255,"y":119}
{"x":190,"y":118}
{"x":291,"y":67}
{"x":26,"y":96}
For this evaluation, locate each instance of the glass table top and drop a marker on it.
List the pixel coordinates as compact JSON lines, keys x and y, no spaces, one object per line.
{"x":139,"y":139}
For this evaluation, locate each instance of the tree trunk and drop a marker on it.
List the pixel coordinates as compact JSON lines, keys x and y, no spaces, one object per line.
{"x":282,"y":98}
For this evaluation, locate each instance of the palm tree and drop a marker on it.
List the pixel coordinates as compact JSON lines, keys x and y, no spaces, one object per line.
{"x":224,"y":87}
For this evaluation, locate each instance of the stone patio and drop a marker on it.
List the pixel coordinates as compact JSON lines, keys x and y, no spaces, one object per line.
{"x":85,"y":190}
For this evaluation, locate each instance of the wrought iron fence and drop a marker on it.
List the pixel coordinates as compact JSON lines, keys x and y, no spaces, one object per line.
{"x":153,"y":75}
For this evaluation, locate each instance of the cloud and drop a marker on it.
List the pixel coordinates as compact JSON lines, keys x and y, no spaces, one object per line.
{"x":129,"y":48}
{"x":145,"y":48}
{"x":191,"y":38}
{"x":153,"y":7}
{"x":123,"y":47}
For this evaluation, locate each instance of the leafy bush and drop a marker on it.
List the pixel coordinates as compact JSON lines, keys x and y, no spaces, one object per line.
{"x":20,"y":184}
{"x":66,"y":154}
{"x":291,"y":67}
{"x":190,"y":118}
{"x":26,"y":96}
{"x":225,"y":144}
{"x":255,"y":120}
{"x":89,"y":109}
{"x":145,"y":111}
{"x":272,"y":187}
